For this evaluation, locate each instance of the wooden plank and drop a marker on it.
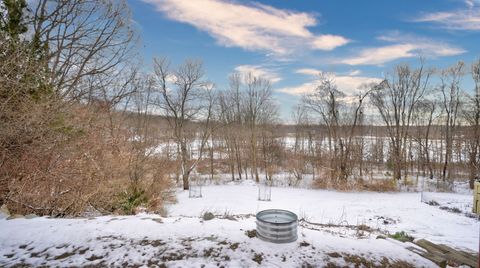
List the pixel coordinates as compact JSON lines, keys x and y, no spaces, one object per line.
{"x":467,"y":255}
{"x":459,"y":257}
{"x":430,"y":246}
{"x":438,"y":259}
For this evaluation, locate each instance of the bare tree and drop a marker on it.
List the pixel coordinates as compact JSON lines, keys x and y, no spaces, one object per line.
{"x":396,"y":99}
{"x":427,"y":113}
{"x":232,"y":118}
{"x":450,"y":88}
{"x":186,"y":100}
{"x":297,"y":164}
{"x":472,"y":116}
{"x":83,"y":43}
{"x":247,"y":107}
{"x":340,"y":114}
{"x":258,"y":108}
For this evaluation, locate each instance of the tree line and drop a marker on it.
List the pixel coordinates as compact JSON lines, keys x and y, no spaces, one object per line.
{"x":417,"y":121}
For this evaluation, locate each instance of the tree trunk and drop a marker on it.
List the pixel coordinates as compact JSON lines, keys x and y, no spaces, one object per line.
{"x":185,"y":168}
{"x":186,"y":185}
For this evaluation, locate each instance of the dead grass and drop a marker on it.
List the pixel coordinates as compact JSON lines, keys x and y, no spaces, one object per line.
{"x":374,"y":185}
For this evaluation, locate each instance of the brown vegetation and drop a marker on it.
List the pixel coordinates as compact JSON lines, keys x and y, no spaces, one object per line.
{"x":64,"y":146}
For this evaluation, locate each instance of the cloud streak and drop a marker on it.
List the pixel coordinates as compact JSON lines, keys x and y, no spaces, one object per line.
{"x":259,"y":71}
{"x":254,"y":27}
{"x":348,"y":84}
{"x":404,"y":46}
{"x":467,"y":19}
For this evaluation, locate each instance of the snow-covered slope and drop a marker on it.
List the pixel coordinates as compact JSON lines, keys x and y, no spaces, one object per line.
{"x":183,"y":239}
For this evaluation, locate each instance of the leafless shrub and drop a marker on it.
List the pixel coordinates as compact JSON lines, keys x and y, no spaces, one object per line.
{"x":64,"y":145}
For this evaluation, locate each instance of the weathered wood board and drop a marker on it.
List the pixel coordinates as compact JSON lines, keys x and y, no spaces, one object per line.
{"x":443,"y":254}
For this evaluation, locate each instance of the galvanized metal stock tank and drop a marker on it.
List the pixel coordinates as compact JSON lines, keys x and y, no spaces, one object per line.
{"x":277,"y":226}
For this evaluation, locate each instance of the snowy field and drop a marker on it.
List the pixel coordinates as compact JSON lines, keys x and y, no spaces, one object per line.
{"x":184,"y":239}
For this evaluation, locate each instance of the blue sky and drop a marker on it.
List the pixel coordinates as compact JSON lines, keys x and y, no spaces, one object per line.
{"x":289,"y":42}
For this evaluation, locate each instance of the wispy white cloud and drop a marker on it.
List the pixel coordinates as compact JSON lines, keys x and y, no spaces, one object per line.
{"x":304,"y":88}
{"x":252,"y":27}
{"x":381,"y":55}
{"x":315,"y":72}
{"x":348,"y":84}
{"x":404,"y":46}
{"x":455,"y":20}
{"x":329,"y":42}
{"x":259,"y":71}
{"x":467,"y":18}
{"x":308,"y":71}
{"x":471,"y":3}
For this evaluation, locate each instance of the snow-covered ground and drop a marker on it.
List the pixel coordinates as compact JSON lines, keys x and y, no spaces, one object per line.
{"x":401,"y":211}
{"x":184,"y":239}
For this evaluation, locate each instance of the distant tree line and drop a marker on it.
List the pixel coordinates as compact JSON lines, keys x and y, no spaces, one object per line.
{"x":416,"y":122}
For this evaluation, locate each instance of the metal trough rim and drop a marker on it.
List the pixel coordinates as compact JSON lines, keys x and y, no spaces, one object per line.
{"x":268,"y":211}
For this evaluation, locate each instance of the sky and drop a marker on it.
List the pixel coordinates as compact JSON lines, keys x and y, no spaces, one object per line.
{"x":290,"y":42}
